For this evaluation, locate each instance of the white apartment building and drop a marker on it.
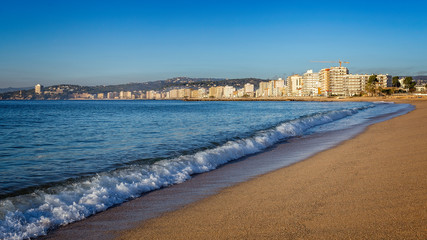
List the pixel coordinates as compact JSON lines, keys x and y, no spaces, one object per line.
{"x":228,"y":91}
{"x":295,"y":85}
{"x":277,"y":88}
{"x":249,"y":89}
{"x":125,"y":95}
{"x":311,"y":84}
{"x":337,"y":80}
{"x":355,"y":84}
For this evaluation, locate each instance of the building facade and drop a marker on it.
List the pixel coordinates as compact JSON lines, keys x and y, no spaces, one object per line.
{"x":311,"y":84}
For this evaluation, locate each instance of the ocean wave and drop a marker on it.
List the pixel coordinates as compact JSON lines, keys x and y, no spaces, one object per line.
{"x":34,"y":214}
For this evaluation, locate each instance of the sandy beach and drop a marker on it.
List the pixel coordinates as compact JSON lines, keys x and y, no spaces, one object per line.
{"x":373,"y":186}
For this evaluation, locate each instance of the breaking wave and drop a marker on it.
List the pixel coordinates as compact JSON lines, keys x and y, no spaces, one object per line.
{"x":34,"y":214}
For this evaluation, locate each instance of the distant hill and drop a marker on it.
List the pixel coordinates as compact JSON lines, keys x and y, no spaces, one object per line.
{"x":66,"y":91}
{"x":420,"y":77}
{"x":5,"y":90}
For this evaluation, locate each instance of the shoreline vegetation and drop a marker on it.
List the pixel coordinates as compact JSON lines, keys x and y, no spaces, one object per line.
{"x":372,"y":186}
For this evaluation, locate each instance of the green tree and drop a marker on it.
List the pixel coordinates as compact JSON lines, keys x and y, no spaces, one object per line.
{"x":371,"y":85}
{"x":409,"y":84}
{"x":395,"y":82}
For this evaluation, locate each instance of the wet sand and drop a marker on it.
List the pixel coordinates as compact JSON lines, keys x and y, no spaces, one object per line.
{"x":373,"y":186}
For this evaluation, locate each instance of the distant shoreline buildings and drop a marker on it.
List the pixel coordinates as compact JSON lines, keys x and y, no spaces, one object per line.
{"x":333,"y":81}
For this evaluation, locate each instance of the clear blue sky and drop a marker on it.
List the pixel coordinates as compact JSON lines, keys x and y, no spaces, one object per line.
{"x":112,"y":42}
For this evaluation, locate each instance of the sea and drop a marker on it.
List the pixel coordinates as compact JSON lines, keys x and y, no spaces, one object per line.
{"x":63,"y":161}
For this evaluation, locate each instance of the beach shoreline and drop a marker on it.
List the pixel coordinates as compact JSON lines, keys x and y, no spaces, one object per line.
{"x":338,"y":193}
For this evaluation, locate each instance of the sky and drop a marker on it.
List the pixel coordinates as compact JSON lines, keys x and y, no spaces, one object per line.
{"x":115,"y":42}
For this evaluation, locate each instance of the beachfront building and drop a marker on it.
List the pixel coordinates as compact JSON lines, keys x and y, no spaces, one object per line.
{"x":276,"y":88}
{"x":38,"y":89}
{"x":125,"y":95}
{"x":241,"y":93}
{"x":173,"y":94}
{"x":228,"y":91}
{"x":83,"y":96}
{"x":249,"y":90}
{"x":262,"y":90}
{"x":187,"y":92}
{"x":338,"y":81}
{"x":181,"y":93}
{"x":295,"y":85}
{"x":337,"y":77}
{"x":311,"y":84}
{"x":150,"y":94}
{"x":216,"y":92}
{"x":100,"y":96}
{"x":203,"y":93}
{"x":355,"y":84}
{"x":194,"y":94}
{"x":384,"y":80}
{"x":324,"y":79}
{"x":112,"y":95}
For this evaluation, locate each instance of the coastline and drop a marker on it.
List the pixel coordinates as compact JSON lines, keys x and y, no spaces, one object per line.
{"x":338,"y":193}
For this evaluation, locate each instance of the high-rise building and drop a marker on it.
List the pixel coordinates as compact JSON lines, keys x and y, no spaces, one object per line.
{"x":216,"y":92}
{"x":228,"y":91}
{"x":262,"y":90}
{"x":337,"y":80}
{"x":295,"y":85}
{"x":219,"y":92}
{"x":355,"y":84}
{"x":311,"y":84}
{"x":324,"y":79}
{"x":249,"y":89}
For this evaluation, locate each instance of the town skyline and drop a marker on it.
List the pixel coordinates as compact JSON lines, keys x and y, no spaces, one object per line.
{"x":333,"y":81}
{"x":104,"y":43}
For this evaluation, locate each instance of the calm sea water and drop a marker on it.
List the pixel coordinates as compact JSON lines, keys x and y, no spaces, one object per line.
{"x":61,"y":161}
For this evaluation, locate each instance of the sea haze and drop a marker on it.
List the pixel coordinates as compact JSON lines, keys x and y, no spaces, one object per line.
{"x":61,"y":161}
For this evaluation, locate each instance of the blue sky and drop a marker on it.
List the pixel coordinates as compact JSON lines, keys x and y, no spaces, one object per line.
{"x":112,"y":42}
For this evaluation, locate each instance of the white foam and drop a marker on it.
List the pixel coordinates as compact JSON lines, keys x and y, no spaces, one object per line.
{"x":35,"y":214}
